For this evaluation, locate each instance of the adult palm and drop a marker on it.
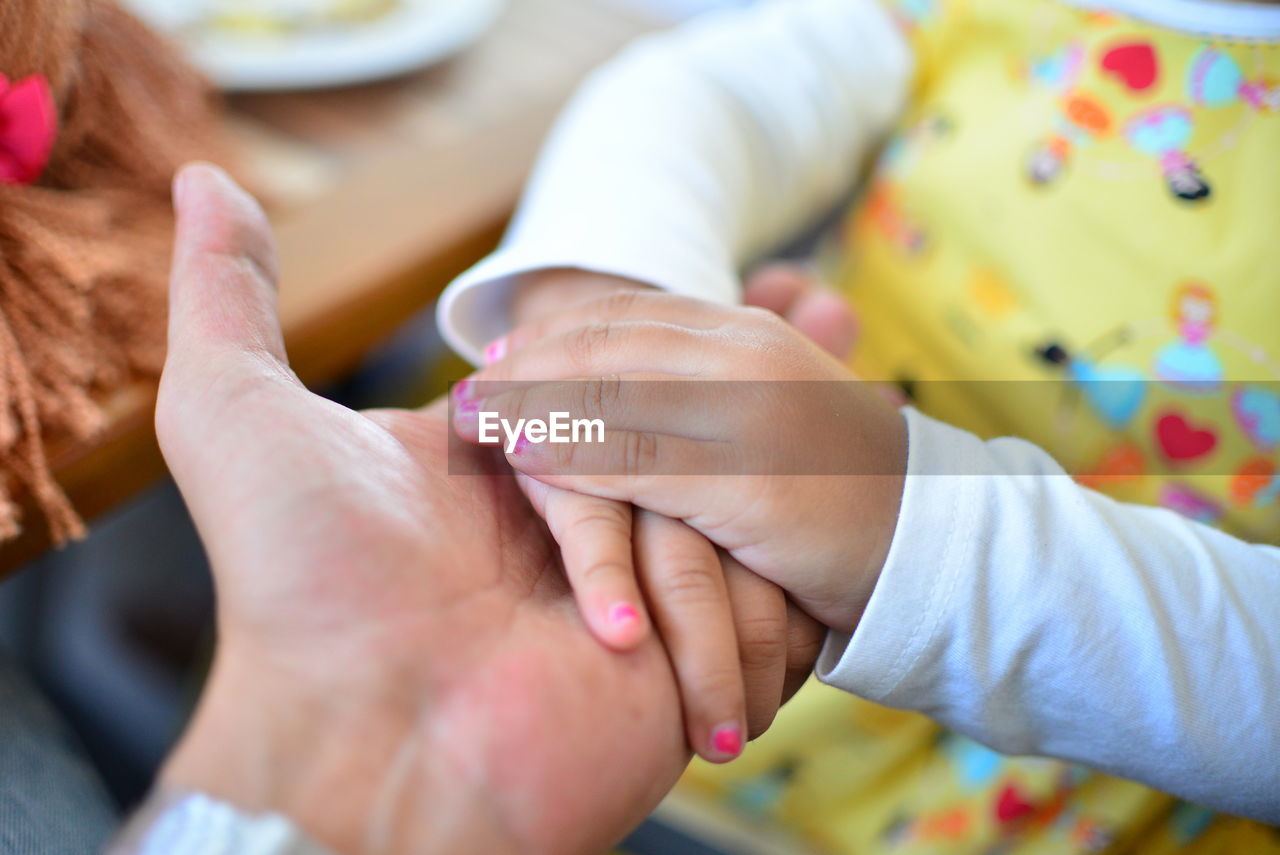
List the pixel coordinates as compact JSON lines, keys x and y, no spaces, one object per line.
{"x":401,"y":666}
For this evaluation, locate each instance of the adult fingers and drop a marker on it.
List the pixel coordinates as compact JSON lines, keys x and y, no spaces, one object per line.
{"x":794,"y":292}
{"x":805,"y":637}
{"x":777,"y":286}
{"x":827,"y":320}
{"x":761,"y":626}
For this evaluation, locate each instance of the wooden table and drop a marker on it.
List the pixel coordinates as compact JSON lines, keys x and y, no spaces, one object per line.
{"x":380,"y":195}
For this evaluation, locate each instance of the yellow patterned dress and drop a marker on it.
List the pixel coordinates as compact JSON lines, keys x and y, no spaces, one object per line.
{"x":1074,"y":237}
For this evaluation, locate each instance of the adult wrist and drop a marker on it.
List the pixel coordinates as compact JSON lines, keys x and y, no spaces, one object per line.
{"x":341,"y":762}
{"x":178,"y":822}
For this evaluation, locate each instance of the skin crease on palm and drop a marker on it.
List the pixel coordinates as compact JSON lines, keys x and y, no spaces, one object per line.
{"x":401,"y":666}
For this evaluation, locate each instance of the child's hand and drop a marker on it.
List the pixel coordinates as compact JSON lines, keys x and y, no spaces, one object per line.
{"x":724,"y":628}
{"x":823,"y":537}
{"x":719,"y":626}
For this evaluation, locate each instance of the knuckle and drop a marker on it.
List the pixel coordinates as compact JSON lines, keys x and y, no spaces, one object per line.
{"x":760,"y":316}
{"x":606,"y":568}
{"x":620,"y":302}
{"x":803,"y":652}
{"x":762,"y":641}
{"x":640,"y":453}
{"x":522,"y":404}
{"x":718,"y":686}
{"x":690,"y":582}
{"x":769,"y":331}
{"x":599,"y":396}
{"x":564,"y":455}
{"x":587,"y":344}
{"x":245,"y":263}
{"x":601,"y":515}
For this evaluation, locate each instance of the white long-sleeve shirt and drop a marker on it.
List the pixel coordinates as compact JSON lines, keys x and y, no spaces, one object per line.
{"x":1015,"y":606}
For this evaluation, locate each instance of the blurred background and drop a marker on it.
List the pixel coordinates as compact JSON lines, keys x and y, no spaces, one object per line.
{"x":389,"y":140}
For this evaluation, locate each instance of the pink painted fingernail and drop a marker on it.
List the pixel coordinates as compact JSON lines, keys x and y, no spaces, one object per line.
{"x":470,"y":405}
{"x":624,"y":613}
{"x":522,"y":442}
{"x":727,"y":740}
{"x":495,"y":351}
{"x":462,"y":390}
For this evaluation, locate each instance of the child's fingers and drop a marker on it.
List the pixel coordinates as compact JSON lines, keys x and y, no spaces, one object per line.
{"x":681,"y":574}
{"x":670,"y":475}
{"x":595,"y":545}
{"x":634,"y":403}
{"x":622,"y":306}
{"x":760,"y":622}
{"x":598,"y":348}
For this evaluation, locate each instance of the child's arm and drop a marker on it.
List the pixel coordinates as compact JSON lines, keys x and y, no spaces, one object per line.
{"x":986,"y":589}
{"x":694,"y":151}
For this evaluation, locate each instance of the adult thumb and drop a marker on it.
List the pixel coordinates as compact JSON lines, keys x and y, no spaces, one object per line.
{"x":224,"y":333}
{"x":222,"y":295}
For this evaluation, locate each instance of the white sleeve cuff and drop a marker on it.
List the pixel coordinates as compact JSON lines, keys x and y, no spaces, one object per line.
{"x":476,"y":308}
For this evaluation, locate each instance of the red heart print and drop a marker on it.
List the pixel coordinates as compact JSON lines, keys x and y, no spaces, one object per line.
{"x":1011,"y":806}
{"x":1134,"y":63}
{"x":1180,"y":441}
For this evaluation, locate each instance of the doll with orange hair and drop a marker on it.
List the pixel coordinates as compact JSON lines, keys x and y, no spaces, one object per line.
{"x":96,"y":114}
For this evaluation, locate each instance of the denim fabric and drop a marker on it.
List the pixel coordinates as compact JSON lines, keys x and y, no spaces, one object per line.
{"x":51,"y":800}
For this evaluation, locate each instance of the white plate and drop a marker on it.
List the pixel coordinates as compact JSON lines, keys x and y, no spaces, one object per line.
{"x":417,"y":34}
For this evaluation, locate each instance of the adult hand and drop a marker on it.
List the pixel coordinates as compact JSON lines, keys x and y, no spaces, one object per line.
{"x":400,"y":665}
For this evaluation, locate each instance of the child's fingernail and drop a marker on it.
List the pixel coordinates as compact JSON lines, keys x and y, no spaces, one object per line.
{"x":462,"y":390}
{"x":495,"y":351}
{"x":470,"y":405}
{"x":624,"y":613}
{"x":727,"y":740}
{"x":521,"y":444}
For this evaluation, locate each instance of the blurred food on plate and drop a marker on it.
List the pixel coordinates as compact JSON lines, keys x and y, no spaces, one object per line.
{"x":274,"y":45}
{"x":268,"y":17}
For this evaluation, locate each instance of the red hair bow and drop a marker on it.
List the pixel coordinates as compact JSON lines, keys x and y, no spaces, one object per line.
{"x":28,"y":128}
